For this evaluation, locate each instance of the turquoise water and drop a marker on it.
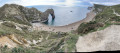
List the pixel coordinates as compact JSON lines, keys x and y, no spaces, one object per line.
{"x":64,"y":15}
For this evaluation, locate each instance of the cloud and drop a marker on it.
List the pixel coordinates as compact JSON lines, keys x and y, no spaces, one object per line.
{"x":91,"y":2}
{"x":60,"y":2}
{"x":83,"y":3}
{"x":69,"y":2}
{"x":33,"y":2}
{"x":104,"y":2}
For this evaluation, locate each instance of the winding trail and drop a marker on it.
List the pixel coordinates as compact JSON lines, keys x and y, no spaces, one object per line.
{"x":66,"y":28}
{"x":115,"y":13}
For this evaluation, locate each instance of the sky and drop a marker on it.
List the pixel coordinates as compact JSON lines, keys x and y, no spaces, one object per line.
{"x":60,"y":2}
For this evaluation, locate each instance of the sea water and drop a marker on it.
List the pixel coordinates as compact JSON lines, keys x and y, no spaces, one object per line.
{"x":64,"y":15}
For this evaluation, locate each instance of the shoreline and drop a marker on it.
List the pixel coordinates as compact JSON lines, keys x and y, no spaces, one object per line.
{"x":65,"y":28}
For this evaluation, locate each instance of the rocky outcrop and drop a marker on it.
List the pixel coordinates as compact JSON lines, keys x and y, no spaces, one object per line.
{"x":44,"y":15}
{"x":12,"y":41}
{"x":23,"y":15}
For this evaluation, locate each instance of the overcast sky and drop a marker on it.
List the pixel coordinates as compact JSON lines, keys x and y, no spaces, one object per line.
{"x":60,"y":2}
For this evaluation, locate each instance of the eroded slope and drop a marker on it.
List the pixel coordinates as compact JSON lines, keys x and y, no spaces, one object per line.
{"x":105,"y":40}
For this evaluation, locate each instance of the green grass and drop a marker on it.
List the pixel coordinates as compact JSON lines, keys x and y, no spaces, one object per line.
{"x":17,"y":50}
{"x":71,"y":42}
{"x":85,"y":28}
{"x":56,"y":40}
{"x":11,"y":25}
{"x":44,"y":46}
{"x":107,"y":25}
{"x":105,"y":16}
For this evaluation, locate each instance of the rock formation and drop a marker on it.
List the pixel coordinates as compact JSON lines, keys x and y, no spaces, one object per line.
{"x":45,"y":15}
{"x":23,"y":15}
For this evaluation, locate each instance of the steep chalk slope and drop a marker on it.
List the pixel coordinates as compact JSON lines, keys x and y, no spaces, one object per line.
{"x":105,"y":40}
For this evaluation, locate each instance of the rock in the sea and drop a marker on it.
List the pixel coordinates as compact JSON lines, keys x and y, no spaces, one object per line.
{"x":23,"y":15}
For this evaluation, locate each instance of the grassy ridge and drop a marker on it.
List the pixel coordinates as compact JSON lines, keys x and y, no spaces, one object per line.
{"x":105,"y":15}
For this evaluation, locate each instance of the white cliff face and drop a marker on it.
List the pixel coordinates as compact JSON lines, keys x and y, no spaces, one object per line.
{"x":105,"y":40}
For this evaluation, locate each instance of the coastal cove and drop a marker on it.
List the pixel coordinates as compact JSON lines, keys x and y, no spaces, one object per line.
{"x":63,"y":15}
{"x":59,"y":26}
{"x":66,"y":28}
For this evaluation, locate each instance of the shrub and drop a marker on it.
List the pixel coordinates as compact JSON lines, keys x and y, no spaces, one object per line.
{"x":22,"y":50}
{"x":11,"y":25}
{"x":90,"y":26}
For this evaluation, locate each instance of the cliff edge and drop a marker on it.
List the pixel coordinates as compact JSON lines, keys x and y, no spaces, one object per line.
{"x":23,"y":15}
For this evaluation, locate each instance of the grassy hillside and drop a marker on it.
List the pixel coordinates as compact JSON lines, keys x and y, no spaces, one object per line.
{"x":59,"y":42}
{"x":52,"y":42}
{"x":19,"y":14}
{"x":105,"y":16}
{"x":16,"y":20}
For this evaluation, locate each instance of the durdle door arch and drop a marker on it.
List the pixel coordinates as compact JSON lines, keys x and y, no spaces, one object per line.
{"x":45,"y":15}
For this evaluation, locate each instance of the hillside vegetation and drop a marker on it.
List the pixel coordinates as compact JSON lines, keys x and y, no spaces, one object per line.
{"x":15,"y":26}
{"x":40,"y":41}
{"x":23,"y":15}
{"x":105,"y":16}
{"x":52,"y":42}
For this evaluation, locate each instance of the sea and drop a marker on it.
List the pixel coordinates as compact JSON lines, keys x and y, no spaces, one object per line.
{"x":64,"y":15}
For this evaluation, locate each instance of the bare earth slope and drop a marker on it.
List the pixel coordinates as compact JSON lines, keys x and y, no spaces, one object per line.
{"x":105,"y":40}
{"x":11,"y":41}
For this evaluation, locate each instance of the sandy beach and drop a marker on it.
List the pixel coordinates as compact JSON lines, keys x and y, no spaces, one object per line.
{"x":66,"y":28}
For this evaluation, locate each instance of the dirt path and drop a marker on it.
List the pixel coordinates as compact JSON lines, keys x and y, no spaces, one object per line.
{"x":115,"y":13}
{"x":66,"y":28}
{"x":105,"y":40}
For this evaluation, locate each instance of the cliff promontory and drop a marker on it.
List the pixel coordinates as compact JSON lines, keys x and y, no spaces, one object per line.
{"x":23,"y":15}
